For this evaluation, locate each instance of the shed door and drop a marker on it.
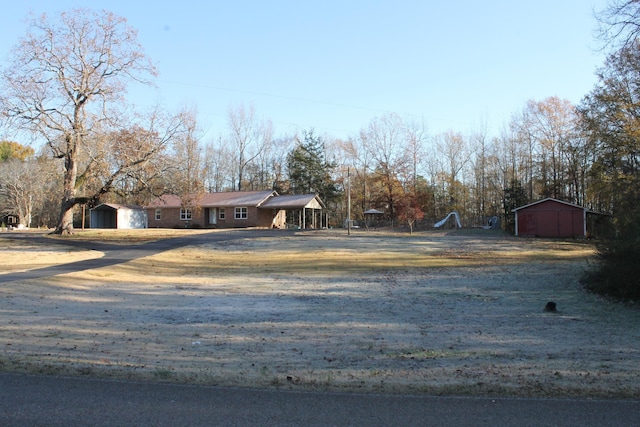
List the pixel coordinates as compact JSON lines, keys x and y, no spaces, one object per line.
{"x":571,"y":223}
{"x":104,"y":219}
{"x":547,"y":224}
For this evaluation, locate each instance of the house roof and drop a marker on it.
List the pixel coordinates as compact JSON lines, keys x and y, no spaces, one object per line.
{"x":297,"y":201}
{"x":261,"y":199}
{"x":550,"y":199}
{"x":224,"y":199}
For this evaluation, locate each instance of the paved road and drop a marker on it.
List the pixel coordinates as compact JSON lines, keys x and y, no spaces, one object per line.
{"x":54,"y":401}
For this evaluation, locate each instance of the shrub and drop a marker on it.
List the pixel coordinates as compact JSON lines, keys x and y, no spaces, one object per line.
{"x":617,"y":274}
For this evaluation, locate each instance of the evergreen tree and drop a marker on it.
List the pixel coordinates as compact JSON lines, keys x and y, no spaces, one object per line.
{"x":611,"y":116}
{"x":309,"y":171}
{"x":514,"y":197}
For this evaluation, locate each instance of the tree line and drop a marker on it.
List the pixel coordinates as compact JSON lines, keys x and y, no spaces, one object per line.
{"x":392,"y":165}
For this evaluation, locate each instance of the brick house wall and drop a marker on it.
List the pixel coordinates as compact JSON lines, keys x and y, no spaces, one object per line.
{"x":171,"y":217}
{"x":239,"y":209}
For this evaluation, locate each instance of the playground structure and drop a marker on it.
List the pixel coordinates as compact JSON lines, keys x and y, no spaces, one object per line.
{"x":493,"y":222}
{"x":444,"y":221}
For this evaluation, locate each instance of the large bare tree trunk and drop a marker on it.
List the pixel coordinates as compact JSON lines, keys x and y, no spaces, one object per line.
{"x":65,"y":225}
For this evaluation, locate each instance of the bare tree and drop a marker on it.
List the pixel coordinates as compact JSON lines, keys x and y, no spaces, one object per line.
{"x":550,"y":146}
{"x":455,"y":152}
{"x":354,"y":164}
{"x":65,"y":84}
{"x":278,"y":163}
{"x":219,"y":173}
{"x":249,"y":138}
{"x":137,"y":155}
{"x":16,"y":190}
{"x":521,"y":143}
{"x":187,"y":171}
{"x":24,"y":185}
{"x":479,"y":142}
{"x":385,"y":140}
{"x":619,"y":23}
{"x":416,"y":139}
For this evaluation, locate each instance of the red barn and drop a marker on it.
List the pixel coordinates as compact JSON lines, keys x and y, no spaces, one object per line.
{"x":551,"y":218}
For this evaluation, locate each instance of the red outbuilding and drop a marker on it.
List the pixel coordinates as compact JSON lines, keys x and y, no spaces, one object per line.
{"x":551,"y":218}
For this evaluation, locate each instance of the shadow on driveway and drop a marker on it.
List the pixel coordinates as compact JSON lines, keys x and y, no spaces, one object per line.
{"x":118,"y":254}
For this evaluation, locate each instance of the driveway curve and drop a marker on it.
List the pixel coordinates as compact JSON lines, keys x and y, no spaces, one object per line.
{"x":117,"y":254}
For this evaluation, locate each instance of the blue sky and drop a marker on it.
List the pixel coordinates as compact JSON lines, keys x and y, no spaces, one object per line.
{"x":335,"y":65}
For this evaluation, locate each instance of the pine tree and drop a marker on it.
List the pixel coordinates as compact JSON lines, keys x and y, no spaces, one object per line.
{"x":309,"y":171}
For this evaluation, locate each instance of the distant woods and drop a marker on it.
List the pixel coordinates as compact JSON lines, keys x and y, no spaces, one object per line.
{"x":550,"y":148}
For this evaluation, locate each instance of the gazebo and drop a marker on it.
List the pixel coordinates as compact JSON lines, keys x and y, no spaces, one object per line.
{"x":369,"y":214}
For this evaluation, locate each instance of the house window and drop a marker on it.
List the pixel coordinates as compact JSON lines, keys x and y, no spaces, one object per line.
{"x":158,"y":214}
{"x":221,"y":214}
{"x":241,"y":213}
{"x":185,"y":214}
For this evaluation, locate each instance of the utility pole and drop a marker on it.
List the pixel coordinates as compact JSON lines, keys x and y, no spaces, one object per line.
{"x":348,"y":201}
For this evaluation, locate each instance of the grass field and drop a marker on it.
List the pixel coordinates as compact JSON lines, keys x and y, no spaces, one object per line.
{"x":432,"y":312}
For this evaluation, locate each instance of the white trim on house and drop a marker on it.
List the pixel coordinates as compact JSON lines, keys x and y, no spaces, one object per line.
{"x":186,"y":214}
{"x":241,"y":212}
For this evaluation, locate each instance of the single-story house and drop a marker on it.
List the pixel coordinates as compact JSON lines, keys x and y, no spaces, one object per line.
{"x":551,"y":218}
{"x":233,"y":209}
{"x":111,"y":215}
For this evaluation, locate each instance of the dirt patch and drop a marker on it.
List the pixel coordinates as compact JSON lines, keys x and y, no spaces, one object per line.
{"x":428,"y":313}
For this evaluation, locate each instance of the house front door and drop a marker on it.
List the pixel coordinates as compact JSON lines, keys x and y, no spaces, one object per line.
{"x":213,"y":216}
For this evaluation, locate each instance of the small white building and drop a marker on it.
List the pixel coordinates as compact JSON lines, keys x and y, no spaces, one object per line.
{"x":111,"y":215}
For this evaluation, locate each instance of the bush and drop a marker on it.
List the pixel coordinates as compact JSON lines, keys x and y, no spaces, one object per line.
{"x":617,"y":273}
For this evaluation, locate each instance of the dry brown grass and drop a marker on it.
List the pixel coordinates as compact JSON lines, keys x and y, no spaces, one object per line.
{"x":210,"y":261}
{"x":22,"y":255}
{"x":126,"y":237}
{"x":430,"y":313}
